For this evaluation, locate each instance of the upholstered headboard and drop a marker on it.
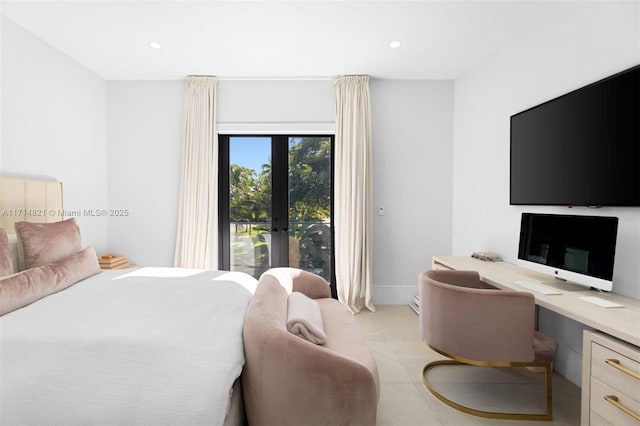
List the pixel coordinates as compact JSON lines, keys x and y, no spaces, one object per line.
{"x":29,"y":200}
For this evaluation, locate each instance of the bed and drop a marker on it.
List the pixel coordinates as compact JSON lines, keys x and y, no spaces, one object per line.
{"x":159,"y":346}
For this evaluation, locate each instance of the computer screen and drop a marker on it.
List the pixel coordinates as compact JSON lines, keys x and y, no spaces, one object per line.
{"x":580,"y":249}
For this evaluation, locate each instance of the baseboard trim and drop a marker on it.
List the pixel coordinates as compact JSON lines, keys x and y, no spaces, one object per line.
{"x":393,"y":294}
{"x":568,"y":363}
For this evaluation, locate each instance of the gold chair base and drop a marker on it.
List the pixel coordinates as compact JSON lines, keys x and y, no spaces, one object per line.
{"x":548,"y":415}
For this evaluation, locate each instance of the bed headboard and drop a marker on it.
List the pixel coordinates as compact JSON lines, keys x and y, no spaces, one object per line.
{"x":30,"y":200}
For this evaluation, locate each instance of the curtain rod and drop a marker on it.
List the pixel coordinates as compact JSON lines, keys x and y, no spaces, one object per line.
{"x":257,"y":78}
{"x":277,"y":78}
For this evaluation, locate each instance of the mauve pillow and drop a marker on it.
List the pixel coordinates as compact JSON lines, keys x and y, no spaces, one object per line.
{"x":6,"y":264}
{"x":42,"y":243}
{"x":21,"y":289}
{"x":13,"y":251}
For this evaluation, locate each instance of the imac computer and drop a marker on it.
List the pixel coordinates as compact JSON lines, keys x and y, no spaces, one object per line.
{"x":576,"y":249}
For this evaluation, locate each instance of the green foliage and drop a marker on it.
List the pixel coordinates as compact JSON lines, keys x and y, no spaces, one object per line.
{"x":248,"y":195}
{"x":309,"y":184}
{"x":309,"y":178}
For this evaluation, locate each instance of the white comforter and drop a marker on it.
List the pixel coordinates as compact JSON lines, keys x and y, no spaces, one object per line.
{"x":156,"y":346}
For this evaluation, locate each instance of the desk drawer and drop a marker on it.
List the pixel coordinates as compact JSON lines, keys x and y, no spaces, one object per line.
{"x":613,"y":411}
{"x":597,"y":420}
{"x":616,"y":370}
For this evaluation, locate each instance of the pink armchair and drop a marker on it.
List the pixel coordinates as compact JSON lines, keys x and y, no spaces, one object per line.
{"x":471,"y":324}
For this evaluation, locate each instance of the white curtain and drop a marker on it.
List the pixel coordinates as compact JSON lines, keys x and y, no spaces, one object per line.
{"x":196,"y":240}
{"x":352,"y":192}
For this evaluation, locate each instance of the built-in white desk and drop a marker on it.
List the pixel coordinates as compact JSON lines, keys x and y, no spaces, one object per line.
{"x":623,"y":323}
{"x":605,"y":386}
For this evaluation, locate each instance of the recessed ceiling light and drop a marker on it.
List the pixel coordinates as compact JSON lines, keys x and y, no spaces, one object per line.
{"x":395,"y":44}
{"x":154,"y":44}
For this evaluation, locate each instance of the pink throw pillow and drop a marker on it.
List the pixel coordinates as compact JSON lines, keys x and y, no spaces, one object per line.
{"x":42,"y":243}
{"x":6,"y":264}
{"x":21,"y":289}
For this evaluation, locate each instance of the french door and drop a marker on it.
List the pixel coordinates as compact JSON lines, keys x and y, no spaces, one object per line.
{"x":276,"y":202}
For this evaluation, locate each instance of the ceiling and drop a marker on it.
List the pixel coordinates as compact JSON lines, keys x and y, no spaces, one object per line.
{"x":282,"y":39}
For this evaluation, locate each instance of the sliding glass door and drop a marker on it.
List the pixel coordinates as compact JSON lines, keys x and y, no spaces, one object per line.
{"x":276,"y":203}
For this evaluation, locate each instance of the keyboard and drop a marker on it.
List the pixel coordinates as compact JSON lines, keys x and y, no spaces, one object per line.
{"x":537,"y":288}
{"x":601,"y":302}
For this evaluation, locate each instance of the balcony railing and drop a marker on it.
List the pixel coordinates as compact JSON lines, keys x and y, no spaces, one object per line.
{"x":309,"y":246}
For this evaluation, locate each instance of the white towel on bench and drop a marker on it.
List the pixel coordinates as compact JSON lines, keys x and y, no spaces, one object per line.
{"x":304,"y":318}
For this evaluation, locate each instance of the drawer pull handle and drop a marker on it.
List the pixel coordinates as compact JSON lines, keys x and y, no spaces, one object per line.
{"x":612,"y":399}
{"x":616,"y":364}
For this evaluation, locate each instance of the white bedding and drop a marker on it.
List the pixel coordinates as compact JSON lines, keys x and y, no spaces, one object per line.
{"x":126,"y":348}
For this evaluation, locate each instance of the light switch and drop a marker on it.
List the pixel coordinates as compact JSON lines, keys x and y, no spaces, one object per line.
{"x":380,"y":210}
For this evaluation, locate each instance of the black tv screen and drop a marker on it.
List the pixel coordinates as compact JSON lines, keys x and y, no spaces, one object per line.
{"x":580,"y":149}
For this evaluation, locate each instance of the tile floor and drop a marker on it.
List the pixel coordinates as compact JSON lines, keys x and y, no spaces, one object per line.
{"x":393,"y":336}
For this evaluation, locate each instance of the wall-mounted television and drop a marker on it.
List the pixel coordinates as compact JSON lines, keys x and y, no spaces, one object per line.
{"x":577,"y":249}
{"x":580,"y":149}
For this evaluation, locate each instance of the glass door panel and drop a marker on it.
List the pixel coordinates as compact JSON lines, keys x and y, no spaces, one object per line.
{"x":250,"y":200}
{"x":310,"y":204}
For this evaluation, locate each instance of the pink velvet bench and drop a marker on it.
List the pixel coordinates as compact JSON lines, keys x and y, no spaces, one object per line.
{"x":288,"y":380}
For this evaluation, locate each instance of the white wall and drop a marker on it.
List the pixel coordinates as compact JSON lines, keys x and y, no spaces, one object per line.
{"x":275,"y":105}
{"x":412,"y":123}
{"x":588,"y":42}
{"x":412,"y":139}
{"x":54,"y":124}
{"x":144,"y":132}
